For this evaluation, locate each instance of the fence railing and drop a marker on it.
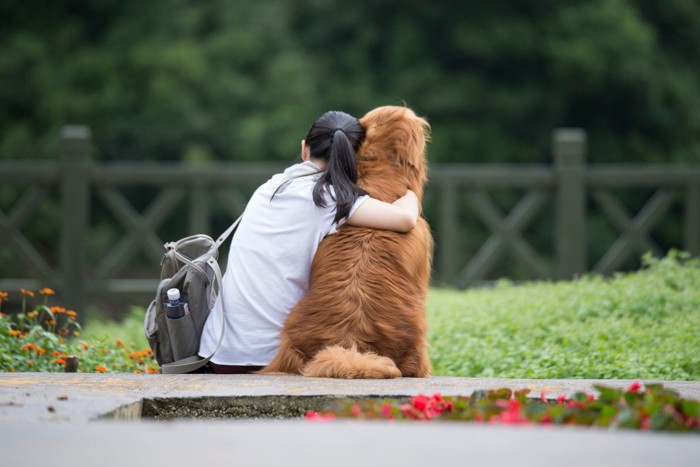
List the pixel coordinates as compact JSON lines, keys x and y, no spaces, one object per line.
{"x":190,"y":199}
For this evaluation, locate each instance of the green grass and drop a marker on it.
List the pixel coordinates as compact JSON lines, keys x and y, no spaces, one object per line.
{"x":640,"y":325}
{"x":129,"y":330}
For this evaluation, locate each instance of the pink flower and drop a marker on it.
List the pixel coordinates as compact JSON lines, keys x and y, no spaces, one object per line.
{"x":355,"y":409}
{"x":511,"y":415}
{"x":313,"y":415}
{"x":386,"y":411}
{"x":561,"y":399}
{"x":420,"y":402}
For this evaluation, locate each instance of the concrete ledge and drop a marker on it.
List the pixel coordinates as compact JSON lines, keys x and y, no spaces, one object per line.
{"x":61,"y":413}
{"x":80,"y":397}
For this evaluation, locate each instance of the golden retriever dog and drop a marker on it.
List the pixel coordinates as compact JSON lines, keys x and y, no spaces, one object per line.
{"x":364,"y":314}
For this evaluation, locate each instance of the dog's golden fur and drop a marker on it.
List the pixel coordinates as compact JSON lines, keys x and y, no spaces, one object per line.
{"x":364,"y":315}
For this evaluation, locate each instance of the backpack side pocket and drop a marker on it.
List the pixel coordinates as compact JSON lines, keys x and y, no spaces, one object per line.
{"x":184,"y":339}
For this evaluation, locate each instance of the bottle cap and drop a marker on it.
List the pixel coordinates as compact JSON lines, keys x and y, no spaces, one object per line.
{"x":173,"y":294}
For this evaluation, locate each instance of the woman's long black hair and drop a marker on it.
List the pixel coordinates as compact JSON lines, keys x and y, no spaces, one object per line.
{"x":335,"y":138}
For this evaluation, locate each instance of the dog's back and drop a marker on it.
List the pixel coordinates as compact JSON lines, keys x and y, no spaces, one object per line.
{"x":364,"y":315}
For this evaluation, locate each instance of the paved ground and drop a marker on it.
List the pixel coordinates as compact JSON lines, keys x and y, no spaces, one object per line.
{"x":54,"y":419}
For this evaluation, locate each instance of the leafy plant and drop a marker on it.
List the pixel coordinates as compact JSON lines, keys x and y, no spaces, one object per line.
{"x":654,"y":408}
{"x":44,"y":339}
{"x":639,"y":325}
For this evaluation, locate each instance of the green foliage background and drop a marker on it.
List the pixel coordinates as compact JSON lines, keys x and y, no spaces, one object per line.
{"x":231,"y":80}
{"x":636,"y":325}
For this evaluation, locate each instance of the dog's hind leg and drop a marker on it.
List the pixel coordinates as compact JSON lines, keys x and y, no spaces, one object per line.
{"x":416,"y":363}
{"x":287,"y":360}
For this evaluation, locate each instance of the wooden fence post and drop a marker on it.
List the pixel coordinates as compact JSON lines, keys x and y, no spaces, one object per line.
{"x":75,"y":146}
{"x":569,"y":149}
{"x":692,"y":219}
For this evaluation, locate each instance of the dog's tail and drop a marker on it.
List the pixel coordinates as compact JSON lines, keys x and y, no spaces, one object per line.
{"x":338,"y":362}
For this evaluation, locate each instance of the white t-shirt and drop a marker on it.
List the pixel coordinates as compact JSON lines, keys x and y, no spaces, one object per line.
{"x":269,"y":267}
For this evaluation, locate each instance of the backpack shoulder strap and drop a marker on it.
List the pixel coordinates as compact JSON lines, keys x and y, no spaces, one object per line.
{"x":228,"y":231}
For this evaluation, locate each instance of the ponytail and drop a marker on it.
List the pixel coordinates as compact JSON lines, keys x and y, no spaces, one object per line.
{"x":335,"y":138}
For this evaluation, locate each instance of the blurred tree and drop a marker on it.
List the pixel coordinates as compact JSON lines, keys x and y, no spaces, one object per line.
{"x":222,"y":79}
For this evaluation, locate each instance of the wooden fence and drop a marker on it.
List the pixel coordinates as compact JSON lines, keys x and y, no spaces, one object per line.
{"x":186,"y":196}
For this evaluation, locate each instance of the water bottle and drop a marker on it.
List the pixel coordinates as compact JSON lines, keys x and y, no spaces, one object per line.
{"x":175,"y":306}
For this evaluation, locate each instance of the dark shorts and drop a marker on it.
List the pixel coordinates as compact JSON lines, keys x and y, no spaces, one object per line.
{"x":233,"y":369}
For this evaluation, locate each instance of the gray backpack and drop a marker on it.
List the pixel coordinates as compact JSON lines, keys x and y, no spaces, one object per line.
{"x":190,"y":265}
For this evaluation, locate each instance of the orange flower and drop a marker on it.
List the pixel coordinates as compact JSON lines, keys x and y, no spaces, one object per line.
{"x":50,"y":322}
{"x":14,"y":332}
{"x":63,"y":332}
{"x":55,"y":353}
{"x":84,"y":345}
{"x":72,"y":313}
{"x":57,"y":309}
{"x":46,"y":291}
{"x":153,"y":370}
{"x":61,"y":341}
{"x":27,"y":293}
{"x":30,"y":362}
{"x":59,"y":361}
{"x":101,"y":369}
{"x":140,"y":354}
{"x":76,"y":333}
{"x":138,"y":372}
{"x":119,"y":343}
{"x":32,"y":314}
{"x":41,"y":351}
{"x":28,"y":347}
{"x":3,"y":296}
{"x":3,"y":315}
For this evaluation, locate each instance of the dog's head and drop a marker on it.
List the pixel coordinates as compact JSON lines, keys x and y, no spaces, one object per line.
{"x":394,"y":146}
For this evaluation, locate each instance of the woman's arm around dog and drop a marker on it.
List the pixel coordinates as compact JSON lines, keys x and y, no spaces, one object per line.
{"x":399,"y":216}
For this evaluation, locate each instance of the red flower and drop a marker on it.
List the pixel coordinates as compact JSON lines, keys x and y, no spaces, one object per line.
{"x":561,"y":399}
{"x":635,"y":387}
{"x":420,"y":402}
{"x":313,"y":415}
{"x":511,"y":415}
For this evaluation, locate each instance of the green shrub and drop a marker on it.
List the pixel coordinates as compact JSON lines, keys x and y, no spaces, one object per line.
{"x":643,"y":324}
{"x":43,"y":338}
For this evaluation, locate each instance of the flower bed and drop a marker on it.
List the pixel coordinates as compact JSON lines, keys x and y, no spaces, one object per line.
{"x":651,"y":408}
{"x":45,"y":339}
